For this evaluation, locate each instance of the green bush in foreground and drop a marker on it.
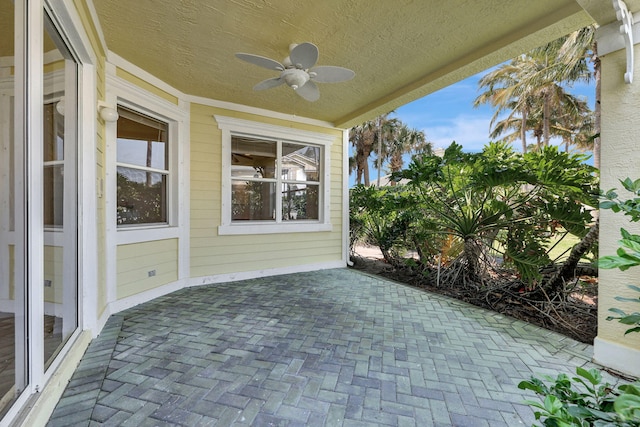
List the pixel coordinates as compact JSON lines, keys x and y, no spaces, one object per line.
{"x":584,"y":400}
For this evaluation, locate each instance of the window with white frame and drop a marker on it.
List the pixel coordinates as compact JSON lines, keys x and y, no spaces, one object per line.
{"x":276,"y":178}
{"x":142,"y":156}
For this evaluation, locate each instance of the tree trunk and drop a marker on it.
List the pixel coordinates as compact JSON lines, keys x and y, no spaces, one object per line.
{"x":546,"y":119}
{"x":379,"y":148}
{"x":472,"y":255}
{"x":523,"y":130}
{"x":567,"y":271}
{"x":366,"y":173}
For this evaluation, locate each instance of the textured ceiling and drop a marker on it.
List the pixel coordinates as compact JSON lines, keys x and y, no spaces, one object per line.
{"x":400,"y":50}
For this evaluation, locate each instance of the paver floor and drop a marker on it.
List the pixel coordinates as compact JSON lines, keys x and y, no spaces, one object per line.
{"x":327,"y":348}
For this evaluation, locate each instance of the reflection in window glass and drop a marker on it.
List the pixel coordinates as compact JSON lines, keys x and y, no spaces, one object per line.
{"x":141,"y":196}
{"x":260,"y":166}
{"x":253,"y":201}
{"x":59,"y":146}
{"x":143,"y":169}
{"x":53,"y":154}
{"x":300,"y":202}
{"x":252,"y":158}
{"x":300,"y":162}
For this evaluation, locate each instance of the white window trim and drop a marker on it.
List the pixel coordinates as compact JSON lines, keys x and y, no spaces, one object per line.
{"x":232,"y":126}
{"x":123,"y":93}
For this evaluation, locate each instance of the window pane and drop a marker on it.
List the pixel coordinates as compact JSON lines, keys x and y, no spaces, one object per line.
{"x":300,"y":202}
{"x":53,"y":132}
{"x":53,"y":151}
{"x":252,"y":158}
{"x":253,"y":201}
{"x":142,"y":141}
{"x":141,"y":196}
{"x":300,"y":162}
{"x":59,"y":174}
{"x":53,"y":180}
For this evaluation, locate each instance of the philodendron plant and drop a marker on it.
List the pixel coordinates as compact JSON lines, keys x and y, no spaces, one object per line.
{"x":628,"y":254}
{"x":584,"y":400}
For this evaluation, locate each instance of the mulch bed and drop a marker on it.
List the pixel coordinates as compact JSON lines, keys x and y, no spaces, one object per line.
{"x":575,"y":316}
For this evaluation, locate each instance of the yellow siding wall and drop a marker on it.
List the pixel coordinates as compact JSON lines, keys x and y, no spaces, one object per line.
{"x":136,"y":260}
{"x":53,"y":267}
{"x":212,"y":254}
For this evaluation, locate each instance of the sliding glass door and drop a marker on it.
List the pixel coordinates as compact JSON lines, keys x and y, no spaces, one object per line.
{"x":38,"y":199}
{"x":13,"y":324}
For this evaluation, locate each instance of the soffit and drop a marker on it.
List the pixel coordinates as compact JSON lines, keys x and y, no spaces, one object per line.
{"x":603,"y":12}
{"x":400,"y":50}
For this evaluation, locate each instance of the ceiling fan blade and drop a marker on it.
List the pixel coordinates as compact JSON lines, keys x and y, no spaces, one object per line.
{"x":331,"y":74}
{"x":304,"y":55}
{"x":269,"y":83}
{"x":309,"y":91}
{"x":260,"y":61}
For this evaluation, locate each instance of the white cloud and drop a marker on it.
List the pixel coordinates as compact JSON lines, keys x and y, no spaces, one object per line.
{"x":470,"y":131}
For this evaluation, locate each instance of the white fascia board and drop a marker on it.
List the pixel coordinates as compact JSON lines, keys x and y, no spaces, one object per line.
{"x":611,"y":40}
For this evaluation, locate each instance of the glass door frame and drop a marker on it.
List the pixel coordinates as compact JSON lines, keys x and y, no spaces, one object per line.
{"x":28,"y":131}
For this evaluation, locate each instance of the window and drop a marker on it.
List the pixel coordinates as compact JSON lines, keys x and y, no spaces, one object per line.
{"x":142,"y":169}
{"x":276,"y":179}
{"x":259,"y":167}
{"x":53,"y":179}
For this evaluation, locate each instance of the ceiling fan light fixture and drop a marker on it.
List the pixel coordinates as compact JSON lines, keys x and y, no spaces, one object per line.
{"x":295,"y":77}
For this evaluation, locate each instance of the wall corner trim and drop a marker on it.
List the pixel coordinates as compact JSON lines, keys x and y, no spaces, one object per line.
{"x":617,"y":357}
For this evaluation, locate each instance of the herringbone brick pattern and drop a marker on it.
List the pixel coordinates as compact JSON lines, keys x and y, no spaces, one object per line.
{"x":326,"y":348}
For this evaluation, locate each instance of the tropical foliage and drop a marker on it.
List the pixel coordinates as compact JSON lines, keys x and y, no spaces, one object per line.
{"x":628,"y":254}
{"x":584,"y":400}
{"x":475,"y":209}
{"x":389,"y":139}
{"x":532,"y":90}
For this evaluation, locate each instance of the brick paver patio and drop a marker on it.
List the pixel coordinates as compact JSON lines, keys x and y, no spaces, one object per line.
{"x":327,"y":348}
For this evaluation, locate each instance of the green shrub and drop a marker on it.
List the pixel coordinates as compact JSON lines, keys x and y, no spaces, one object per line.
{"x":584,"y":400}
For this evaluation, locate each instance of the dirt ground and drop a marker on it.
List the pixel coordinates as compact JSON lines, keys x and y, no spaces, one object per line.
{"x":576,"y":317}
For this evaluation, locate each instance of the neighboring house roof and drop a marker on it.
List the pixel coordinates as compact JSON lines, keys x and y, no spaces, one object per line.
{"x":400,"y":51}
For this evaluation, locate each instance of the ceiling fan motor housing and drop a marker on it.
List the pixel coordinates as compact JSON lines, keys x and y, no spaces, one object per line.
{"x":295,"y":77}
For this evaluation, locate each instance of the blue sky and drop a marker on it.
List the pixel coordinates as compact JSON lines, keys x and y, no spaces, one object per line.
{"x":448,"y":115}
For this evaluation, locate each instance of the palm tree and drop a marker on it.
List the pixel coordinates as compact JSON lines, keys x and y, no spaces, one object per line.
{"x":370,"y":137}
{"x":405,"y":141}
{"x":506,"y":92}
{"x":580,"y":46}
{"x":387,"y":130}
{"x":533,"y":87}
{"x":362,"y":138}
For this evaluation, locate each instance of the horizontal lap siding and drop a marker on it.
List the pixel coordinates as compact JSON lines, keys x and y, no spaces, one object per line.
{"x":136,"y":260}
{"x":53,"y":266}
{"x":212,"y":254}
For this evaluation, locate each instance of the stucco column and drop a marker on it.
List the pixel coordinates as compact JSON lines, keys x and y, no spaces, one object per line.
{"x":620,"y":158}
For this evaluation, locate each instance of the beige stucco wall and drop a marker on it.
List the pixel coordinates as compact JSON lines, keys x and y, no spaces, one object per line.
{"x":620,"y":154}
{"x":213,"y":254}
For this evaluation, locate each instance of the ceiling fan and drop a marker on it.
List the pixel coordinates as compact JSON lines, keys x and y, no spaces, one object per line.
{"x":298,"y":71}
